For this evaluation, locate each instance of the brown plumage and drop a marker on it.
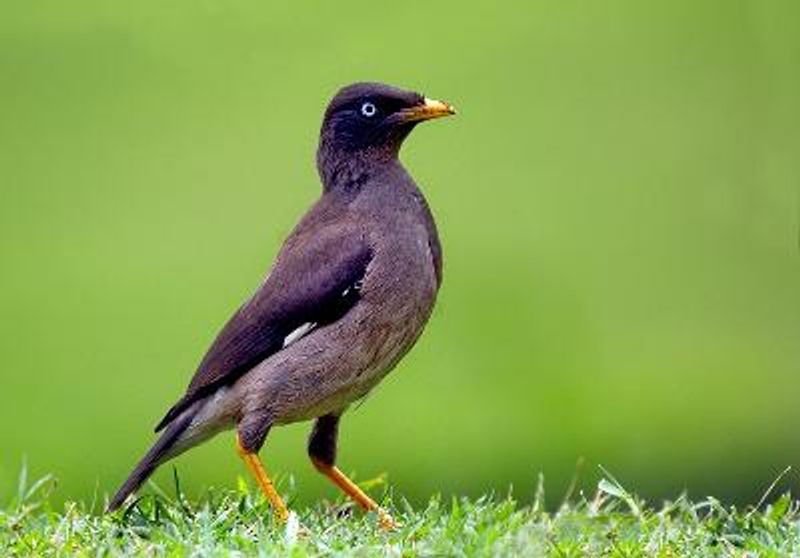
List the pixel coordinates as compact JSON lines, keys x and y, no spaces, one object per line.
{"x":349,"y":294}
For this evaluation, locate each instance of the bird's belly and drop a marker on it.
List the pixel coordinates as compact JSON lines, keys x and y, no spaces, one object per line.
{"x":333,"y":388}
{"x":333,"y":377}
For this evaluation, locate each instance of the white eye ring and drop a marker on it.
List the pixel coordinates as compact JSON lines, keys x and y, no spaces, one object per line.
{"x":369,"y":109}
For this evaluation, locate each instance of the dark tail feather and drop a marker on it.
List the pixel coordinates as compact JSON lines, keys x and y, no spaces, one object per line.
{"x":151,"y":460}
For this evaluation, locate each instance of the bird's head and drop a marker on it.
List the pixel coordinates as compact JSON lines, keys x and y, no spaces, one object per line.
{"x":371,"y":120}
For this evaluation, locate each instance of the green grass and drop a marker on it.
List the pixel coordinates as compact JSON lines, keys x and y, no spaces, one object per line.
{"x":611,"y":522}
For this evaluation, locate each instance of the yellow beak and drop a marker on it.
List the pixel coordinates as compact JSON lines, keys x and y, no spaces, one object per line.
{"x":428,"y":110}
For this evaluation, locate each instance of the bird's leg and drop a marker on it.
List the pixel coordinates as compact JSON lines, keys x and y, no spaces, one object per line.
{"x":322,"y":451}
{"x":253,"y":463}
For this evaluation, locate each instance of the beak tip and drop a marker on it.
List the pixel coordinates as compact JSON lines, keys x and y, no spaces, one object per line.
{"x":438,"y":108}
{"x":428,"y":109}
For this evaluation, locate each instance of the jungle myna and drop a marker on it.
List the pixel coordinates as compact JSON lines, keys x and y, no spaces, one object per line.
{"x":347,"y":297}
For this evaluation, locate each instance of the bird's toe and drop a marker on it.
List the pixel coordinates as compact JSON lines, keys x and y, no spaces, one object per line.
{"x":386,"y":522}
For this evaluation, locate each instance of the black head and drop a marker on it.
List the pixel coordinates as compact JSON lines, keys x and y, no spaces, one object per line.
{"x":374,"y":118}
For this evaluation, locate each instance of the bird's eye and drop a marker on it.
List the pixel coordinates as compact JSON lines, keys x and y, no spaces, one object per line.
{"x":369,"y":109}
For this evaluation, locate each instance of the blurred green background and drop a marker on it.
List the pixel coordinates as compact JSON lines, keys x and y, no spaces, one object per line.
{"x":617,"y":199}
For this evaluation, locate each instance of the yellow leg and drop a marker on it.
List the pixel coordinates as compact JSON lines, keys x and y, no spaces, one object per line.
{"x":257,"y":469}
{"x":354,"y":492}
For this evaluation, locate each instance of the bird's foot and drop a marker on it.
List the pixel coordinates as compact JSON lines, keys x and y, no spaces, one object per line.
{"x":386,"y":522}
{"x":294,"y":529}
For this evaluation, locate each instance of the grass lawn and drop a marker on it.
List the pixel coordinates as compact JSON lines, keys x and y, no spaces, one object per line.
{"x":610,"y":522}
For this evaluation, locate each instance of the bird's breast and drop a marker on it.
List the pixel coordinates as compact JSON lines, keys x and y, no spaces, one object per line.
{"x":402,"y":275}
{"x":398,"y":295}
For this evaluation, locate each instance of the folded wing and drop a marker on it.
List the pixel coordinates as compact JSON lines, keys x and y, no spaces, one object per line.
{"x":315,"y":281}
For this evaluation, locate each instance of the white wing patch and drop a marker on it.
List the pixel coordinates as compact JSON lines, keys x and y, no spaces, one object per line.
{"x":354,"y":287}
{"x":298,"y":333}
{"x":307,"y":327}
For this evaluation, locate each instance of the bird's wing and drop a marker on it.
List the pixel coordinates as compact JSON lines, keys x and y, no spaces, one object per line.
{"x":315,"y":281}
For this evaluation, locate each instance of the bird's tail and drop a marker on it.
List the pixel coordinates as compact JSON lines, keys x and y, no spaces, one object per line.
{"x":157,"y":455}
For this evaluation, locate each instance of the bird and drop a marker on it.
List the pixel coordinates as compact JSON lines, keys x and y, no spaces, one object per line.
{"x":348,"y":295}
